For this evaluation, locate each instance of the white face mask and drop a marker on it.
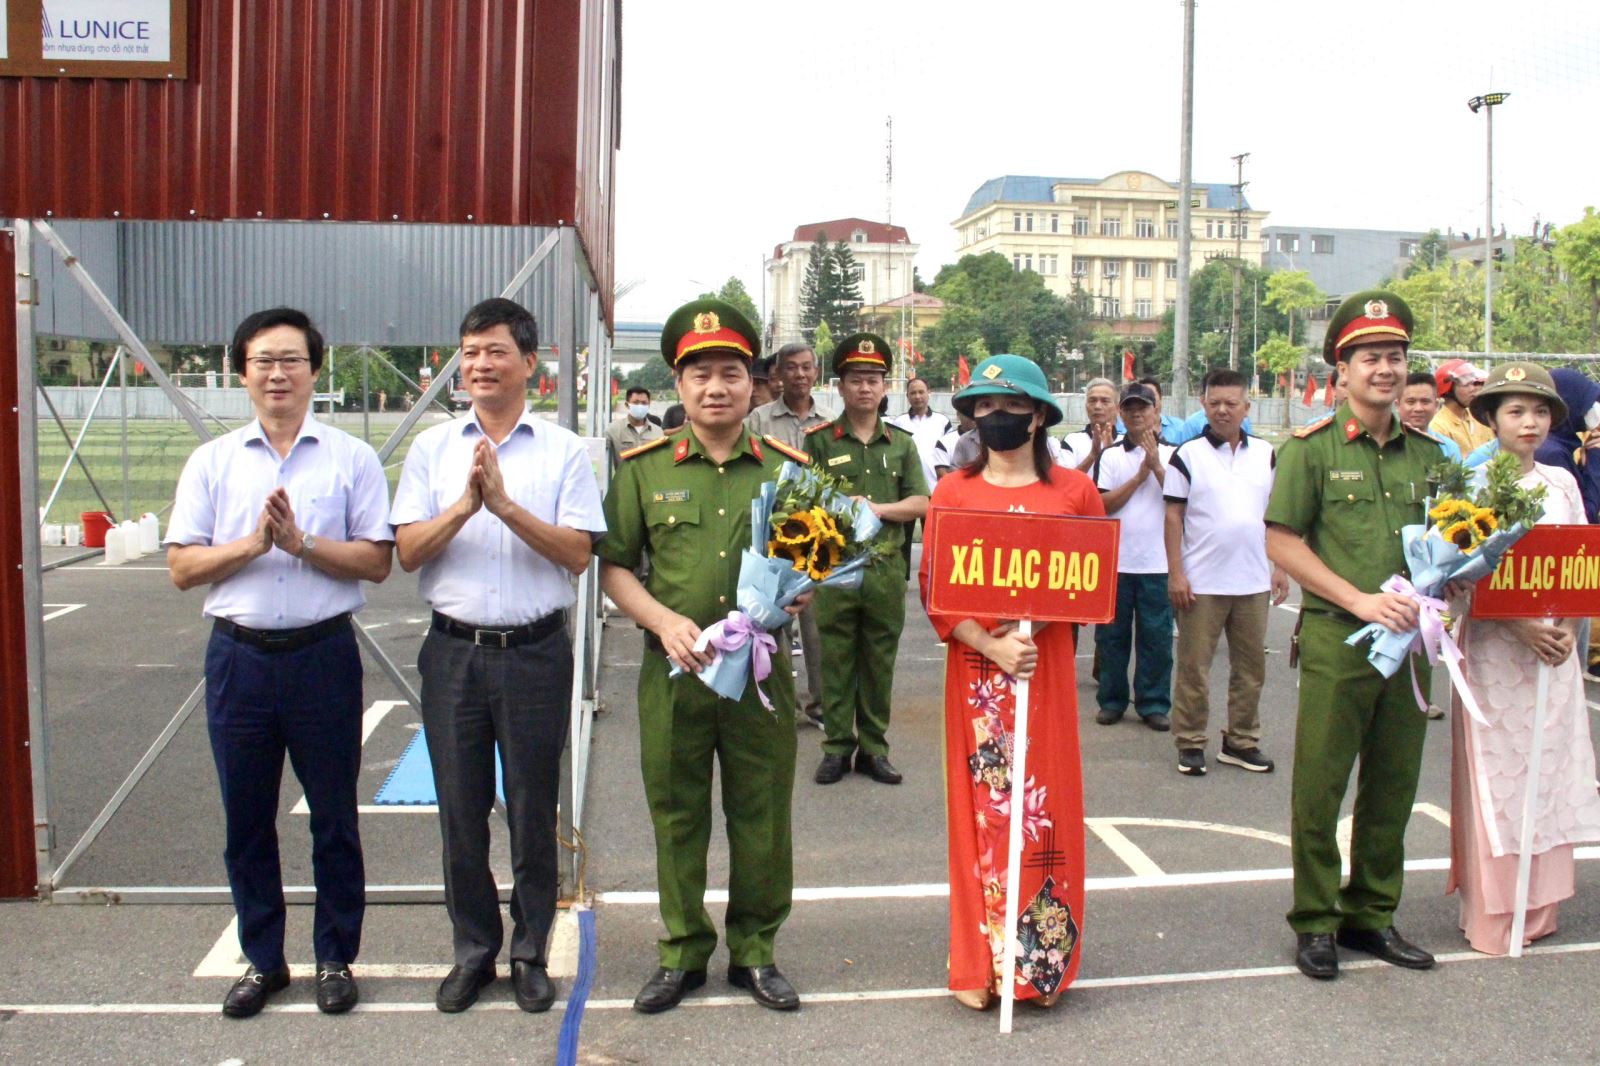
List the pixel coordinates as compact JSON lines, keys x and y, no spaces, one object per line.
{"x":638,"y":411}
{"x":1591,"y":417}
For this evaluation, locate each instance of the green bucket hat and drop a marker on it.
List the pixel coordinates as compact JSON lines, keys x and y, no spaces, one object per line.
{"x":1522,"y":379}
{"x":1008,"y":375}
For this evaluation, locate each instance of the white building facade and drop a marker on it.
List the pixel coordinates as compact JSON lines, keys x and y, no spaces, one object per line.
{"x":883,"y":254}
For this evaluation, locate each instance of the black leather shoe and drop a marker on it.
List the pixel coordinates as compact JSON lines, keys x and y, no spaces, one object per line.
{"x":532,"y":985}
{"x":1316,"y":956}
{"x":1106,"y":716}
{"x":1161,"y":723}
{"x":459,"y":989}
{"x":666,"y":989}
{"x":251,"y":992}
{"x":877,"y":767}
{"x":831,"y":769}
{"x":766,"y":985}
{"x":336,"y":988}
{"x":1386,"y":944}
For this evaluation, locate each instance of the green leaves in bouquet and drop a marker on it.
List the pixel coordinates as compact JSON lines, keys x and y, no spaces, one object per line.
{"x":1510,"y":502}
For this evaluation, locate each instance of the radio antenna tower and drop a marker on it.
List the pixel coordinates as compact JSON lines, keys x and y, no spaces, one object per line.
{"x":888,"y":174}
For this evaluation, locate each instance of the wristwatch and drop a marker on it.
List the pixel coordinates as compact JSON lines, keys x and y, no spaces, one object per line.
{"x":308,"y":544}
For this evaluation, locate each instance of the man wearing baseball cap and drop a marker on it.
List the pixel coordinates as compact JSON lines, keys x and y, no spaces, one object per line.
{"x":1459,"y":381}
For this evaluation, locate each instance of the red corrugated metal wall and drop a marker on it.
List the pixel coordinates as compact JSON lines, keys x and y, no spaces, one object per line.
{"x":17,"y":870}
{"x":454,"y":111}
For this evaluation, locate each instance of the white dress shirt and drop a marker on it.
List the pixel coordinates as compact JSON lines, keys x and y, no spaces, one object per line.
{"x":1143,"y":547}
{"x":487,"y":575}
{"x":926,"y":431}
{"x":337,"y":489}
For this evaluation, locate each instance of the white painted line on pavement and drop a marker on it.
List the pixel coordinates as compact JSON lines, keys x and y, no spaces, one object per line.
{"x":61,"y":609}
{"x":810,"y":998}
{"x":1123,"y":848}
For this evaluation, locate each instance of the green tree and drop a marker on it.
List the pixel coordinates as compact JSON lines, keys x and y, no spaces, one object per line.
{"x":1433,"y":249}
{"x":1290,"y":291}
{"x":823,"y":345}
{"x":1211,"y":316}
{"x":733,"y":292}
{"x":1278,"y":356}
{"x":1539,"y":307}
{"x":1009,"y":310}
{"x":1447,"y":305}
{"x":654,"y":375}
{"x":346,"y":375}
{"x":830,"y":291}
{"x":1578,"y":252}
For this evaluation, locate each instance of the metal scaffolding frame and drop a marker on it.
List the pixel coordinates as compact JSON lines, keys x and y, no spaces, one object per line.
{"x":585,"y":621}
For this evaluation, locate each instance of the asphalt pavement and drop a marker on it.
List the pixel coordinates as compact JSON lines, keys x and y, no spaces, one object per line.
{"x":1186,"y":955}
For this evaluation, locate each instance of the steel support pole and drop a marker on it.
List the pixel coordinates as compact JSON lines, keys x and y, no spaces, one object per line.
{"x":185,"y":406}
{"x":44,"y":394}
{"x":366,"y":391}
{"x":26,"y":833}
{"x":566,"y":333}
{"x":1180,"y":323}
{"x":1488,"y":231}
{"x":387,"y":665}
{"x":122,"y":404}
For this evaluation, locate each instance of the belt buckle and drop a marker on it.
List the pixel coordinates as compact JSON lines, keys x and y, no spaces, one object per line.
{"x":479,"y":634}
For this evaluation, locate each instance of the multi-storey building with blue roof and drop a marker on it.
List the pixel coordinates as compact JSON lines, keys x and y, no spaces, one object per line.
{"x":1111,"y":243}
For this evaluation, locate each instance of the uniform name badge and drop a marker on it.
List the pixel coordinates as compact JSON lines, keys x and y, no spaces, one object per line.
{"x":671,"y":496}
{"x":838,"y":459}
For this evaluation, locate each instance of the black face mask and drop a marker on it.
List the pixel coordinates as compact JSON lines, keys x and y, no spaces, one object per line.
{"x":1005,"y":431}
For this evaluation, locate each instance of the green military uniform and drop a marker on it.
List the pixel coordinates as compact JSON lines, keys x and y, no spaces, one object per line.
{"x":692,"y":515}
{"x":1348,"y":498}
{"x":860,"y":627}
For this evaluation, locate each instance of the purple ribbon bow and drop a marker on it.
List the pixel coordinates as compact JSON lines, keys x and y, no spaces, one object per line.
{"x":735,"y":632}
{"x":1433,"y":639}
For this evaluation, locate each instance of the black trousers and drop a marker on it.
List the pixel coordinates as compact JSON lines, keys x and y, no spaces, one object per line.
{"x":473,"y":700}
{"x":306,"y":703}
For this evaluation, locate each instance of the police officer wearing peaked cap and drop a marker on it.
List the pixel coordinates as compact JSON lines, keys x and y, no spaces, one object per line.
{"x":861,"y":627}
{"x":685,"y":499}
{"x":1345,"y":487}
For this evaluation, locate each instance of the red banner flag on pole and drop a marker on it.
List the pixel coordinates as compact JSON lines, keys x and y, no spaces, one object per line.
{"x":1311,"y":390}
{"x":615,"y":385}
{"x":963,"y":372}
{"x":436,"y":357}
{"x":1327,"y":394}
{"x":1128,"y":368}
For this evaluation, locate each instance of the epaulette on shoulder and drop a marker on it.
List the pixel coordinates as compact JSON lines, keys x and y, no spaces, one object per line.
{"x":819,"y":427}
{"x":1305,"y":431}
{"x":641,"y":449}
{"x":793,"y":453}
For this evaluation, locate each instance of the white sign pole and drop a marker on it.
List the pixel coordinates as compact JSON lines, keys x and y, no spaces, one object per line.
{"x":1019,"y":802}
{"x":1519,"y":918}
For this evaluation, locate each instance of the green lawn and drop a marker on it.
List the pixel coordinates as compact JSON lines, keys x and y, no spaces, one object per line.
{"x":157,"y":451}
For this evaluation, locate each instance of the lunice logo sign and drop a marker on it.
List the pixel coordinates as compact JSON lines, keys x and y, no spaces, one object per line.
{"x":118,"y":30}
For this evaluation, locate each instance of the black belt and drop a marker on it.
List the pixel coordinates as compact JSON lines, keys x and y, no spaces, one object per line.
{"x":280,"y":640}
{"x":500,"y":636}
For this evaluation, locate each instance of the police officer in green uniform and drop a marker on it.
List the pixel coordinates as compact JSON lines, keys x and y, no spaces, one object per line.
{"x":1345,"y":487}
{"x":860,"y":627}
{"x":685,"y":500}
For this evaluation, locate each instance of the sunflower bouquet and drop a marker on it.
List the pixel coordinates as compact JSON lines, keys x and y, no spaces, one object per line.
{"x":1474,"y":517}
{"x":805,"y":531}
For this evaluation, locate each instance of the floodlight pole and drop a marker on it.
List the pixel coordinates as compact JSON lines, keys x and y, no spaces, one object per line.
{"x":1487,"y":103}
{"x":1180,"y":322}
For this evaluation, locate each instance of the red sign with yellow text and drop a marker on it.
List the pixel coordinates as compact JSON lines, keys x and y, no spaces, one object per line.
{"x":1551,"y":572}
{"x":1046,"y":568}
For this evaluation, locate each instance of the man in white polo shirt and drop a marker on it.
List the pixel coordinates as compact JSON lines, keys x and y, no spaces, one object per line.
{"x":498,"y":510}
{"x":1130,"y":476}
{"x":284,"y":519}
{"x":1218,"y":576}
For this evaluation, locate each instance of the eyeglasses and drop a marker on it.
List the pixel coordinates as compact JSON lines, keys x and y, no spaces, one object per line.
{"x":265,"y":363}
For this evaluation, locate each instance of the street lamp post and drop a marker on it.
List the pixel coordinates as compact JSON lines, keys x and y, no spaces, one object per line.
{"x":1487,"y":103}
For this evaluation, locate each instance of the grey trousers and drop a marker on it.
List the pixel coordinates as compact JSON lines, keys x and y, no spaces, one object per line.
{"x":473,"y":700}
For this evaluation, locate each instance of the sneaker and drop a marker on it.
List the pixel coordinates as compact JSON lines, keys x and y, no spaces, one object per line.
{"x":1435,"y":712}
{"x":1245,"y":759}
{"x":1192,"y":761}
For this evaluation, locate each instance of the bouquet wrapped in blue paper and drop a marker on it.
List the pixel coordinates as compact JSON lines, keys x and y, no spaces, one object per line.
{"x":804,"y":532}
{"x":1475,"y":518}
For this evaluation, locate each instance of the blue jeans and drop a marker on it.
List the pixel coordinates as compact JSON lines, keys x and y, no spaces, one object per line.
{"x":1143,"y":628}
{"x":260,"y":706}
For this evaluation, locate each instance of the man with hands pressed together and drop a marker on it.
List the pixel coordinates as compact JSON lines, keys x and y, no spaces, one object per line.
{"x":1344,"y":488}
{"x":284,"y":519}
{"x":1130,"y":476}
{"x":686,"y":500}
{"x":498,"y":510}
{"x":861,"y":627}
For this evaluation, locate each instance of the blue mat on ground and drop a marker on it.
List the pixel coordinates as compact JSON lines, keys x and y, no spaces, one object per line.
{"x":410,"y":783}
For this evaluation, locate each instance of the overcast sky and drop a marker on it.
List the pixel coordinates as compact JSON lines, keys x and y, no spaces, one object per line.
{"x":742,"y":121}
